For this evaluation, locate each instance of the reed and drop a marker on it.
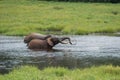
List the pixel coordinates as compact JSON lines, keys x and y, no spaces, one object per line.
{"x":59,"y":73}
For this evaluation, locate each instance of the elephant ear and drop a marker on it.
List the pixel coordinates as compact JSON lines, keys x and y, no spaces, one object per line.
{"x":49,"y":40}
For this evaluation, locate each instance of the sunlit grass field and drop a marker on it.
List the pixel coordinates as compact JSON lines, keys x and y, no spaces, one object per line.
{"x":33,"y":73}
{"x":20,"y":17}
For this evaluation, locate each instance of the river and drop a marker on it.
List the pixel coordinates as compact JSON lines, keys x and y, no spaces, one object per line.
{"x":89,"y":50}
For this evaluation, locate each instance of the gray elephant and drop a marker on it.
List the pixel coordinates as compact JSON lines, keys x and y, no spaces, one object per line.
{"x":31,"y":36}
{"x":47,"y":44}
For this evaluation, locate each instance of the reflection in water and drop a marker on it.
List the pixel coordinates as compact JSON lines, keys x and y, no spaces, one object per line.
{"x":88,"y":51}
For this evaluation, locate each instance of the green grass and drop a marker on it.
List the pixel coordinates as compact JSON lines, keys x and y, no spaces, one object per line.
{"x":26,"y":16}
{"x":93,"y":73}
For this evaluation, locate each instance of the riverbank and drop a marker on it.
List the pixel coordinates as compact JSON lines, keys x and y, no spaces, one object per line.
{"x":59,"y":73}
{"x":23,"y":17}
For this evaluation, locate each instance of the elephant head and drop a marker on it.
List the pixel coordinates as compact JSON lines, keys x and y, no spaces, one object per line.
{"x":55,"y":40}
{"x":31,"y":36}
{"x":47,"y":44}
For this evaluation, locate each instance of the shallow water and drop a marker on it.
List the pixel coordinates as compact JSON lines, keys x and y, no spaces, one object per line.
{"x":87,"y":51}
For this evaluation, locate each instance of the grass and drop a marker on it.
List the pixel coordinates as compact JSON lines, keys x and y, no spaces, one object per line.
{"x":93,"y":73}
{"x":26,"y":16}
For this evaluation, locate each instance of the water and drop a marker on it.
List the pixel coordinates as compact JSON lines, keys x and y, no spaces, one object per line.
{"x":88,"y":51}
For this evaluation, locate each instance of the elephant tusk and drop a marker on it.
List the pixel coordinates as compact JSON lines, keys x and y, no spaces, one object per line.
{"x":63,"y":42}
{"x":64,"y":38}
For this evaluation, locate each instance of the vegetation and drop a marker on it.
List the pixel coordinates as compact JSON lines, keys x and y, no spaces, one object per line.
{"x":33,"y":73}
{"x":110,"y":1}
{"x":26,"y":16}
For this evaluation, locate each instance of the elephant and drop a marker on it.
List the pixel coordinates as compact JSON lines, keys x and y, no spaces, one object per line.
{"x":46,"y":44}
{"x":31,"y":36}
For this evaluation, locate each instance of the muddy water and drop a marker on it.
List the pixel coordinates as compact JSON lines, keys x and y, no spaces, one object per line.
{"x":87,"y":51}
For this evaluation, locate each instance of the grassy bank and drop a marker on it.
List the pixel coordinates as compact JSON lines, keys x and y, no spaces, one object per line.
{"x":23,"y":17}
{"x":94,"y":73}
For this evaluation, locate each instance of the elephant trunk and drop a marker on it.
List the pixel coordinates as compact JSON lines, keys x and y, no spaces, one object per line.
{"x":64,"y":38}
